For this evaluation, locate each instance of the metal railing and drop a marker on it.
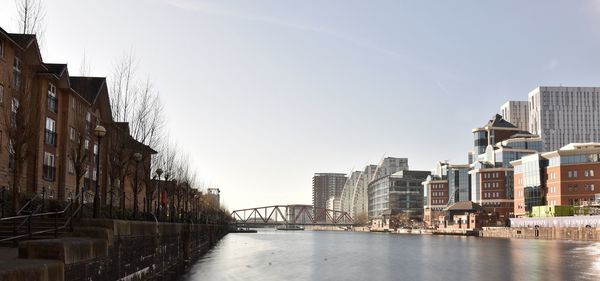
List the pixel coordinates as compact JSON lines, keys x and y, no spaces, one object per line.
{"x":20,"y":221}
{"x":27,"y":204}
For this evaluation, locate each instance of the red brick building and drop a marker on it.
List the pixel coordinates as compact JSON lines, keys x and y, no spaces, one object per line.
{"x":568,"y":176}
{"x":436,"y":199}
{"x":47,"y":124}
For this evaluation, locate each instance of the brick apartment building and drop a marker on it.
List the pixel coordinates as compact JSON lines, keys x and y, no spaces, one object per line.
{"x":568,"y":176}
{"x":47,"y":124}
{"x":497,"y":143}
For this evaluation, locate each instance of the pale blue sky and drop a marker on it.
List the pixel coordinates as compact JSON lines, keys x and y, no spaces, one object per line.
{"x":262,"y":94}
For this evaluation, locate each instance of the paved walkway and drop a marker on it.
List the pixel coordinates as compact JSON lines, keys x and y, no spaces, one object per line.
{"x":7,"y":253}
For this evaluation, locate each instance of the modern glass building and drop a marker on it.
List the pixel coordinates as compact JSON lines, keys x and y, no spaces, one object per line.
{"x":400,"y":192}
{"x":458,"y":183}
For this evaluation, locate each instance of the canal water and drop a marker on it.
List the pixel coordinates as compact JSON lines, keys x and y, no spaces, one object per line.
{"x":321,"y":255}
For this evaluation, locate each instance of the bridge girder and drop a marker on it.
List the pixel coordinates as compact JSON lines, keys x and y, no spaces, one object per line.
{"x":296,"y":214}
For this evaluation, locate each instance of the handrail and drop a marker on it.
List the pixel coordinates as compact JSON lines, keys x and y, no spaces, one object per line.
{"x":27,"y":204}
{"x":27,"y":218}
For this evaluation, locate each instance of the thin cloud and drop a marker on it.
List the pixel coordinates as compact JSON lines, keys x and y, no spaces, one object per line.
{"x":213,"y":10}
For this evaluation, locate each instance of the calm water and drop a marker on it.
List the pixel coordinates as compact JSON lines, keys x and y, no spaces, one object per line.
{"x":313,"y":255}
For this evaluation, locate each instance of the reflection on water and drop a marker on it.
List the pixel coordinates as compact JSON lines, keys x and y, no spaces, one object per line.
{"x":313,"y":255}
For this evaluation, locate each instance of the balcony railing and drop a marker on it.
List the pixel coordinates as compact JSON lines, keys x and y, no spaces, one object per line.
{"x":49,"y":173}
{"x":52,"y":103}
{"x":50,"y":137}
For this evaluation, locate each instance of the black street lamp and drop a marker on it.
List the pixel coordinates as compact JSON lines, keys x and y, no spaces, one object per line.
{"x":100,"y":132}
{"x":137,"y":157}
{"x":159,"y":172}
{"x":170,"y":199}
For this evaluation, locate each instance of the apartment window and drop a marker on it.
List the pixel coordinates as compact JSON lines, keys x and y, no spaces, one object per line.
{"x":73,"y":102}
{"x":17,"y":73}
{"x":71,"y":167}
{"x":50,"y":131}
{"x":88,"y":117}
{"x":1,"y":49}
{"x":48,"y":169}
{"x":86,"y":144}
{"x":51,"y":97}
{"x":15,"y":105}
{"x":1,"y":94}
{"x":72,"y":133}
{"x":95,"y":148}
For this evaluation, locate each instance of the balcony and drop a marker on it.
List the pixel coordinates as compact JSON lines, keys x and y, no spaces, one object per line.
{"x":52,"y":103}
{"x":49,"y":173}
{"x":50,"y":137}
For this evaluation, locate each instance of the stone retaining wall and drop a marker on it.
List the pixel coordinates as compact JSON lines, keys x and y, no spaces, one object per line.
{"x":107,"y":250}
{"x":562,"y":233}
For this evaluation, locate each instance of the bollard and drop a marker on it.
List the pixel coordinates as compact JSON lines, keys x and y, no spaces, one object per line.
{"x":3,"y":199}
{"x":43,"y":198}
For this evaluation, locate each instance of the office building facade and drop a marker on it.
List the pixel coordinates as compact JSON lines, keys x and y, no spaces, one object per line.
{"x":325,"y":186}
{"x":568,"y":176}
{"x":517,"y":113}
{"x":563,"y":115}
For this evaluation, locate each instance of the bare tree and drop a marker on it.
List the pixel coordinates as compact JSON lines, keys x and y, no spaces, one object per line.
{"x":31,"y":14}
{"x":119,"y":160}
{"x":135,"y":101}
{"x":21,"y":119}
{"x":77,"y":151}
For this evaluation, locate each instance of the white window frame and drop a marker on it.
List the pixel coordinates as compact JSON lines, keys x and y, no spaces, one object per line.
{"x":49,"y":159}
{"x":15,"y":105}
{"x":71,"y":167}
{"x":51,"y":90}
{"x":50,"y":124}
{"x":72,"y":133}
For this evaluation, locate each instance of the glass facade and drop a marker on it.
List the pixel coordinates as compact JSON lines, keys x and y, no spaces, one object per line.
{"x":530,"y":144}
{"x":574,"y":159}
{"x":480,"y":142}
{"x":458,"y":184}
{"x":379,"y":196}
{"x":532,"y":168}
{"x":505,"y":156}
{"x":475,"y":187}
{"x":401,"y":192}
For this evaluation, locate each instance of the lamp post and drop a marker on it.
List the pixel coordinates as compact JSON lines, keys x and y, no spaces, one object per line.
{"x":159,"y":172}
{"x":99,"y":132}
{"x":167,"y":176}
{"x":137,"y":157}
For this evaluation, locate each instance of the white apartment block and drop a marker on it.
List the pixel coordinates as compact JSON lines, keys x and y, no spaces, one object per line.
{"x":517,"y":113}
{"x":563,"y":115}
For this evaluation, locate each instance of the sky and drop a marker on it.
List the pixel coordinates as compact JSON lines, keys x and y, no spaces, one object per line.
{"x":263,"y":94}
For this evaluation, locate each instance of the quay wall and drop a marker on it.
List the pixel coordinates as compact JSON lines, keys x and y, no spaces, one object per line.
{"x":110,"y":250}
{"x":551,"y":233}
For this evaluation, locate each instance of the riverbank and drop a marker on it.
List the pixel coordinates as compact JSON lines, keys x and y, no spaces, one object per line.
{"x":110,"y":250}
{"x":547,"y":233}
